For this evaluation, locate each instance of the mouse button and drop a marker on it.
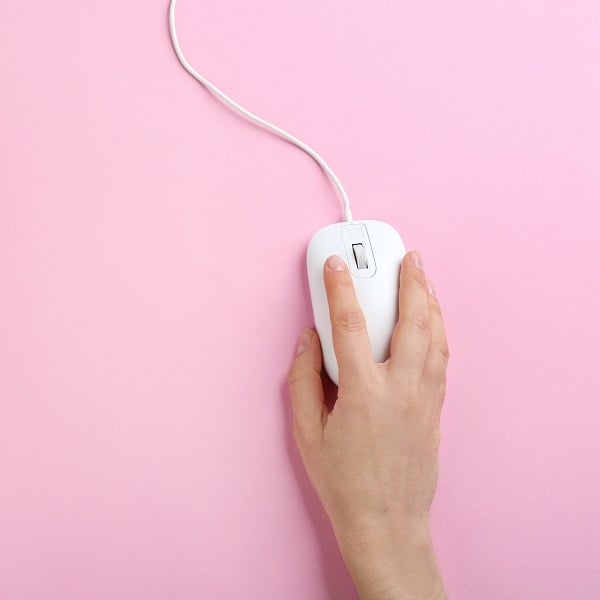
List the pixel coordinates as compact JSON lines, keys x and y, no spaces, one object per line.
{"x":354,"y":234}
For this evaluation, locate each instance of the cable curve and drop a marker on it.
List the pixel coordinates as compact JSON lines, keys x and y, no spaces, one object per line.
{"x":256,"y":119}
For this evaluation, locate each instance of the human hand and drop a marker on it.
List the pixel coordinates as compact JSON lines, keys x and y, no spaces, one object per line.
{"x":373,"y":459}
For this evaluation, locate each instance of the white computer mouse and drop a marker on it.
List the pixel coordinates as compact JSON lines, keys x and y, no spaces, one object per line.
{"x":373,"y":252}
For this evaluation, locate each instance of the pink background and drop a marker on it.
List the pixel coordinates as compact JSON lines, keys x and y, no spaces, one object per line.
{"x":152,"y":285}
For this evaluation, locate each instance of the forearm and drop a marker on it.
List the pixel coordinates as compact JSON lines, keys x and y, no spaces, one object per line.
{"x":392,"y":562}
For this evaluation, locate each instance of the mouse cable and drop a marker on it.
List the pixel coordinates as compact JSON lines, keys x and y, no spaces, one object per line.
{"x":277,"y":130}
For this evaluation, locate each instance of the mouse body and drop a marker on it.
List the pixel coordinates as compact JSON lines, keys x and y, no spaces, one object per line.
{"x":373,"y":251}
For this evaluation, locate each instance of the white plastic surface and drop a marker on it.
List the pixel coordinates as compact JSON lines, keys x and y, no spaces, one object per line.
{"x":376,"y":287}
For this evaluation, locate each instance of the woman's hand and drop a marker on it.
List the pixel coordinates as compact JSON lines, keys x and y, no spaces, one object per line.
{"x":373,"y":458}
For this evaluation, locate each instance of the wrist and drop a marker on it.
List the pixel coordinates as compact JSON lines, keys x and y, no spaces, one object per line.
{"x":392,"y":560}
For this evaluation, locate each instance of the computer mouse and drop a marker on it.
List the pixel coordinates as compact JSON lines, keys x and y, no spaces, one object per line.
{"x":373,"y":251}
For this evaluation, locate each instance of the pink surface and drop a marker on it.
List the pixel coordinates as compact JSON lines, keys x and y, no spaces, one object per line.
{"x":152,"y":286}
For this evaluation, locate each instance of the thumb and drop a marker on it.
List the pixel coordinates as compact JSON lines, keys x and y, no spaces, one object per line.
{"x":306,"y":389}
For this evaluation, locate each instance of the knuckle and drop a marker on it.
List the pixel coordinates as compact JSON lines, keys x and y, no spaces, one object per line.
{"x":421,"y":281}
{"x":350,"y":320}
{"x":443,"y":349}
{"x":295,"y":374}
{"x":434,"y":306}
{"x":422,"y":323}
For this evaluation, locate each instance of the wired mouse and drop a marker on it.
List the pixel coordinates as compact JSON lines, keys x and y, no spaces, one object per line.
{"x":373,"y":252}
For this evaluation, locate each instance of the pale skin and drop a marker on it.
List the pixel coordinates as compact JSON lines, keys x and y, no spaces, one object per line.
{"x":373,"y":458}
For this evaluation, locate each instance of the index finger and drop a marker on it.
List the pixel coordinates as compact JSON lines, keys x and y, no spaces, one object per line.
{"x":348,"y":325}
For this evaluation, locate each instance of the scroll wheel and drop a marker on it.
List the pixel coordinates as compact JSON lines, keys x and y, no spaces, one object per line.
{"x":360,"y":256}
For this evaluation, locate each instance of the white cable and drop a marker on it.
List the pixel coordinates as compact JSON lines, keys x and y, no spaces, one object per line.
{"x":284,"y":134}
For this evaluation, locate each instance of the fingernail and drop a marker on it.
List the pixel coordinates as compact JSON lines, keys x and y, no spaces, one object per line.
{"x":416,"y":259}
{"x":431,"y":288}
{"x":335,"y":263}
{"x":304,"y":341}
